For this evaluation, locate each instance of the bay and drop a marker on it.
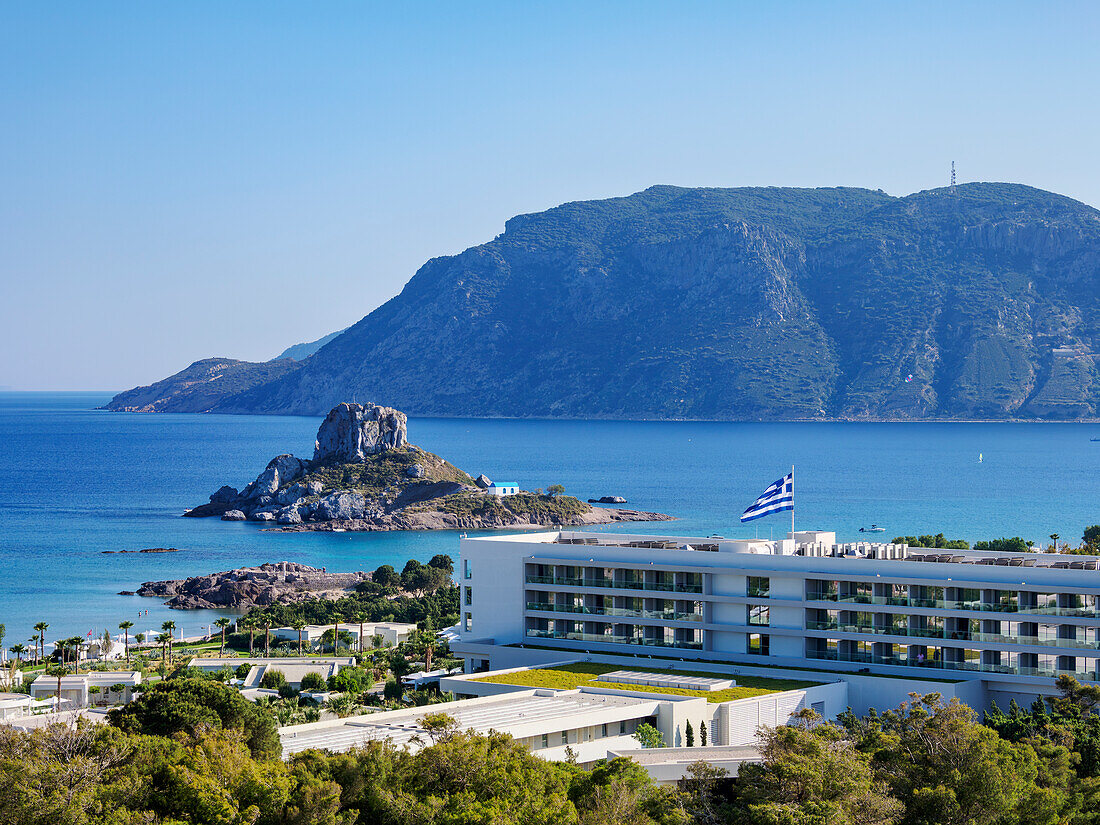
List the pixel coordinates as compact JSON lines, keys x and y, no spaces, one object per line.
{"x":75,"y":482}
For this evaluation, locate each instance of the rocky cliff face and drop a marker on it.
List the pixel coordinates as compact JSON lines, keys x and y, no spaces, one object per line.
{"x":351,"y":432}
{"x":739,"y":304}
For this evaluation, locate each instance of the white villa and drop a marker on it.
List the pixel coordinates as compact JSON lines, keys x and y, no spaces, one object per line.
{"x":392,"y":633}
{"x":88,"y":689}
{"x":503,"y":488}
{"x":293,"y":668}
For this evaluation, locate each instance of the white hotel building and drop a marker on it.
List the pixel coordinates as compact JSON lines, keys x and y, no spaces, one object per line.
{"x":1014,"y":621}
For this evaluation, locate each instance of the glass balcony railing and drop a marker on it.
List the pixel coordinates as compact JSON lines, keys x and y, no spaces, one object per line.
{"x":605,"y":638}
{"x":836,"y":655}
{"x":622,"y":584}
{"x":624,"y":612}
{"x":940,"y":633}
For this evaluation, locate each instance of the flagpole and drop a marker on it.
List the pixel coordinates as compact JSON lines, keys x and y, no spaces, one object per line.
{"x":792,"y":501}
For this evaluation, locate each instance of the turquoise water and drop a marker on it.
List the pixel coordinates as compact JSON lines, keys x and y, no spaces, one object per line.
{"x":75,"y":482}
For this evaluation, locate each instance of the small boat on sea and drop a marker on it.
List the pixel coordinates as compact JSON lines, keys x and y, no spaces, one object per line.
{"x":874,"y":528}
{"x":1094,"y":439}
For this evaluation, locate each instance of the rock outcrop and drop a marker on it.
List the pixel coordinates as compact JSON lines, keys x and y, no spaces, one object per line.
{"x":351,"y":432}
{"x":366,"y":476}
{"x":282,"y":582}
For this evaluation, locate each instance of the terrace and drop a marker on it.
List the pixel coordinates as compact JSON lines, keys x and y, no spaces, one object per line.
{"x":588,"y":675}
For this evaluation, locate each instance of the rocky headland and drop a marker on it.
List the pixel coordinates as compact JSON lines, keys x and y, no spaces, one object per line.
{"x":364,"y":475}
{"x":283,"y":582}
{"x":771,"y":303}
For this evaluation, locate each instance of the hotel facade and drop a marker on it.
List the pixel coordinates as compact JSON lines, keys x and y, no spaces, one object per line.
{"x":806,"y":601}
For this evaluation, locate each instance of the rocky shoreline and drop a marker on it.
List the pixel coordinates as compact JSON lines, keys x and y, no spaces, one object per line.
{"x":282,"y":582}
{"x":439,"y":520}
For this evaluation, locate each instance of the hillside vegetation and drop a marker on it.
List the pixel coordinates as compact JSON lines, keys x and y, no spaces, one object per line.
{"x":766,"y":303}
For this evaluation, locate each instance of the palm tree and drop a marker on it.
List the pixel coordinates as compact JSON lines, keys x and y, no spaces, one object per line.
{"x":34,"y":645}
{"x":58,"y":671}
{"x":267,"y":638}
{"x":125,"y":628}
{"x":139,"y":638}
{"x":335,"y":637}
{"x":168,"y":627}
{"x":1054,"y":542}
{"x":3,"y":633}
{"x":163,"y":640}
{"x":361,"y":618}
{"x":250,"y":626}
{"x":73,"y":643}
{"x":299,"y":625}
{"x":41,"y":629}
{"x":18,"y":651}
{"x":223,"y":623}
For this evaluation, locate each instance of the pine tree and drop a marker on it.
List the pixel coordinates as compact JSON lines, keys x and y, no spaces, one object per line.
{"x":689,"y":735}
{"x":703,"y":734}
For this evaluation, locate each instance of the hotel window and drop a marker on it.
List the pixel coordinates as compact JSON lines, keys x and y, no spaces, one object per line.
{"x":861,"y":622}
{"x":603,"y":730}
{"x":759,"y":615}
{"x":565,"y":737}
{"x":1046,"y":603}
{"x":546,"y":740}
{"x":468,"y":624}
{"x":758,"y":586}
{"x":465,"y":568}
{"x":758,"y":644}
{"x":469,"y":596}
{"x":622,"y":728}
{"x":897,"y":594}
{"x":819,"y":590}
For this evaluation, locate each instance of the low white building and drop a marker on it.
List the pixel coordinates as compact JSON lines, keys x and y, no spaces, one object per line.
{"x":503,"y":488}
{"x":391,"y":632}
{"x":17,"y":705}
{"x":669,"y":766}
{"x":293,"y":669}
{"x":590,"y":722}
{"x":85,"y":689}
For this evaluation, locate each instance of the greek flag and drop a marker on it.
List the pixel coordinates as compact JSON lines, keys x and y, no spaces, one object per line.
{"x":778,"y":497}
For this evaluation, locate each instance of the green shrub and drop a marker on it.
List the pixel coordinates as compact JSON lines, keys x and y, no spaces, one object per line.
{"x":313,"y":681}
{"x":273,"y":679}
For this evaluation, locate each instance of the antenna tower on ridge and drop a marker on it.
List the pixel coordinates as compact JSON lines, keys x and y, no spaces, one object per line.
{"x":952,"y":177}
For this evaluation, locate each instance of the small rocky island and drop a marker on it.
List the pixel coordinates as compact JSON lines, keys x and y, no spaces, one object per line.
{"x":280,"y":583}
{"x":364,"y":475}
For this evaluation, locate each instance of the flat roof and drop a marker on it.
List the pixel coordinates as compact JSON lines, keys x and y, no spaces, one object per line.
{"x":529,"y":713}
{"x":883,"y":551}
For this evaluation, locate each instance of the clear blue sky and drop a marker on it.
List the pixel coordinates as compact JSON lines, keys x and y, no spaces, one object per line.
{"x":179,"y":180}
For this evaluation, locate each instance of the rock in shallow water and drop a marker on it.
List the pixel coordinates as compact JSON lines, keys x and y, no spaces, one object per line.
{"x":233,"y":515}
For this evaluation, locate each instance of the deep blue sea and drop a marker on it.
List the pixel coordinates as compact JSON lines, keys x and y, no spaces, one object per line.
{"x":75,"y":482}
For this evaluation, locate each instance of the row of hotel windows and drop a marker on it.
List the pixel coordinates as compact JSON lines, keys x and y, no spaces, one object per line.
{"x":625,"y":578}
{"x":953,"y":598}
{"x":577,"y":736}
{"x":689,"y":638}
{"x":952,"y":658}
{"x":952,"y":627}
{"x":634,"y":607}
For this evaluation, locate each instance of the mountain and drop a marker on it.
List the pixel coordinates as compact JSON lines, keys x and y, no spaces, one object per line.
{"x":201,"y":386}
{"x":300,"y":352}
{"x":765,"y":303}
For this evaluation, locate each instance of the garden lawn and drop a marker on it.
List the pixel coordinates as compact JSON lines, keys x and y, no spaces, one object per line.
{"x":570,"y":677}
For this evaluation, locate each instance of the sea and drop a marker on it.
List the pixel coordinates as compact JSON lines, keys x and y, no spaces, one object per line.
{"x":76,"y":483}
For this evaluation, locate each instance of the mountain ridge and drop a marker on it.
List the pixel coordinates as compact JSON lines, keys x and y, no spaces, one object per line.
{"x":980,"y":302}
